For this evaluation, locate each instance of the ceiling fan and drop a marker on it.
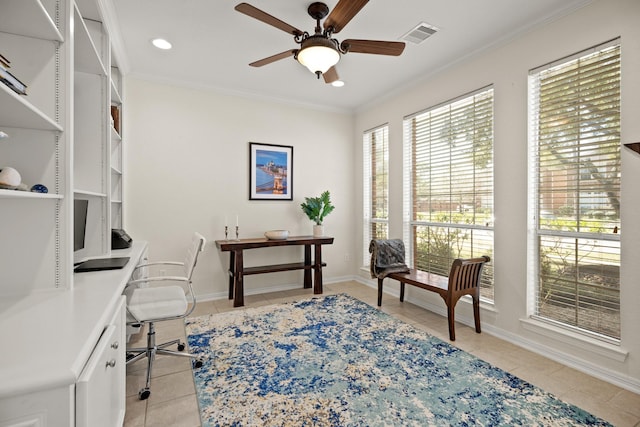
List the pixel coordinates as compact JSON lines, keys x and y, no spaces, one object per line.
{"x":320,"y":52}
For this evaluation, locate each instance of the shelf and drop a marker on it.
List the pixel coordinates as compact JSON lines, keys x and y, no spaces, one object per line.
{"x":116,"y":201}
{"x":89,"y":9}
{"x":14,"y":194}
{"x":635,"y":146}
{"x":115,"y":95}
{"x":277,"y":268}
{"x":87,"y":58}
{"x":115,"y":136}
{"x":28,"y":18}
{"x":18,"y":112}
{"x":79,"y":192}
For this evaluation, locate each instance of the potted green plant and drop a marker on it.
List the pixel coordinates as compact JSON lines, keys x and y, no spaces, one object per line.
{"x":316,"y":209}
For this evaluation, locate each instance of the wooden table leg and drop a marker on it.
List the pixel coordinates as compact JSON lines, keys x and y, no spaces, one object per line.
{"x":238,"y":279}
{"x":232,"y":272}
{"x":307,"y":271}
{"x":317,"y":280}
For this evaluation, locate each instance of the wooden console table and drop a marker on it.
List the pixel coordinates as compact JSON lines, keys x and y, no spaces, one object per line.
{"x":237,"y":270}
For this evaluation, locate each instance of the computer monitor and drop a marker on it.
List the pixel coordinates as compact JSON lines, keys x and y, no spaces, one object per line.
{"x":80,"y":208}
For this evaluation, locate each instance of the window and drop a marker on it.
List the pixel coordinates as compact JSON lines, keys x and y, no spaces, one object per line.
{"x":449,"y":184}
{"x":575,"y":191}
{"x":375,"y":147}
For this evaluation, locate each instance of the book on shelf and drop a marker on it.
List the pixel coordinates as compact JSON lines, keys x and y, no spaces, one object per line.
{"x":115,"y":116}
{"x":12,"y":81}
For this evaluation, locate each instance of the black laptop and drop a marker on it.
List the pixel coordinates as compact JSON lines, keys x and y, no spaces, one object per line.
{"x":99,"y":264}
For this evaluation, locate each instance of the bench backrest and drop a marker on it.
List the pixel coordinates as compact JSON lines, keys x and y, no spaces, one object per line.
{"x":465,"y":274}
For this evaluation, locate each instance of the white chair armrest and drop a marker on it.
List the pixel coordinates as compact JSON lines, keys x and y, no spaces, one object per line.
{"x":158,"y":279}
{"x":148,"y":264}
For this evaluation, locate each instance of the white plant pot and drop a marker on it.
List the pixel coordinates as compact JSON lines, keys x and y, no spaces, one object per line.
{"x":318,"y":230}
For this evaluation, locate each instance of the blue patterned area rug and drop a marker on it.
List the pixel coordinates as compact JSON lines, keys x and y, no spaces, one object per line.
{"x":336,"y":361}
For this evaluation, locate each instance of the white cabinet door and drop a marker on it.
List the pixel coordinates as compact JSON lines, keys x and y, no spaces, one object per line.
{"x":100,"y":390}
{"x":45,"y":408}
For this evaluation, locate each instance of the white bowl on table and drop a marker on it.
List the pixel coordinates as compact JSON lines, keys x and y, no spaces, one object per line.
{"x":276,"y":234}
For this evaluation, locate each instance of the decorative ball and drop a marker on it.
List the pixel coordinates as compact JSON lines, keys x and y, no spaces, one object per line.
{"x":9,"y":178}
{"x":39,"y":188}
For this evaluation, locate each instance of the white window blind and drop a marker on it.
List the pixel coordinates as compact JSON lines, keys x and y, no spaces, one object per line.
{"x":375,"y":147}
{"x":449,"y":151}
{"x":575,"y":158}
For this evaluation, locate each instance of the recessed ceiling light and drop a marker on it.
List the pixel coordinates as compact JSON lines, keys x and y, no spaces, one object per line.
{"x":161,"y":44}
{"x":337,"y":83}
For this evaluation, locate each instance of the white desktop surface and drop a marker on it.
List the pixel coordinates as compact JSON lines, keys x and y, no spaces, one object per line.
{"x":48,"y":336}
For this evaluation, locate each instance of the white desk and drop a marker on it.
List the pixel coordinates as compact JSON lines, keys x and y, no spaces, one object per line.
{"x":49,"y":336}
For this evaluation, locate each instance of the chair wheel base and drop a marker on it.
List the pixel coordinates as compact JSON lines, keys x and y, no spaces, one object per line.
{"x":181,"y":347}
{"x":197,"y":363}
{"x":144,"y":394}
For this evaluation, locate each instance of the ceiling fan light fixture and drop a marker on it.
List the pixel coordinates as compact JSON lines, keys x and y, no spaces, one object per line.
{"x":318,"y":54}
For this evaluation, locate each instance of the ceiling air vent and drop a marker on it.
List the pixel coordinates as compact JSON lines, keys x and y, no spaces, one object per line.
{"x":420,"y":33}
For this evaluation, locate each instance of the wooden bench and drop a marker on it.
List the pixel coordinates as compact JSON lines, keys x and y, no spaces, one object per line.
{"x":463,"y":279}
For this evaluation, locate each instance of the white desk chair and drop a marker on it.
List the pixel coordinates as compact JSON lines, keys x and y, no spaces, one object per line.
{"x":159,"y":303}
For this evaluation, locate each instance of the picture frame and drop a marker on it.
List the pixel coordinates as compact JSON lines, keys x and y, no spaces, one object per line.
{"x":270,"y":171}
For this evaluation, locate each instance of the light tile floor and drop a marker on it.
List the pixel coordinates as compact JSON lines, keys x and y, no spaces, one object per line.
{"x":173,"y":401}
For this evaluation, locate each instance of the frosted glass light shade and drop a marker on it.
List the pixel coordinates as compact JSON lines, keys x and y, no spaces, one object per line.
{"x":318,"y":58}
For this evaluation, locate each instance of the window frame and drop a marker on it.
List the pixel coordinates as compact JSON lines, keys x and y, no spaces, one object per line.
{"x":537,"y":231}
{"x":370,"y":160}
{"x":410,"y":222}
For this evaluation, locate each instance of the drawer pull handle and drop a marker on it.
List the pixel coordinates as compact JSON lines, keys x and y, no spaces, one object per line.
{"x":115,"y":345}
{"x":111,"y":363}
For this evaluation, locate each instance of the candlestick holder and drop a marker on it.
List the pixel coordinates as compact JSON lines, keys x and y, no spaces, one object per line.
{"x":237,"y":233}
{"x":226,"y":232}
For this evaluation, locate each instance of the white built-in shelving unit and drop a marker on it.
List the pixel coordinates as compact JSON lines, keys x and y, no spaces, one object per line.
{"x":61,"y":135}
{"x":117,"y":163}
{"x":35,"y":254}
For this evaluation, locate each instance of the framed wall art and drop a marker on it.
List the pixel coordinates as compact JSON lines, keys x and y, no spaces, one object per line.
{"x":270,"y":172}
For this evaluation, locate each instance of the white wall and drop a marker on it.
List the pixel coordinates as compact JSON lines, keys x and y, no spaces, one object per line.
{"x":187,"y":167}
{"x":506,"y":68}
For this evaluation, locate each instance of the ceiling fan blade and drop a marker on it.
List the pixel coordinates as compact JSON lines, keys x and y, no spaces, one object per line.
{"x":376,"y":47}
{"x":331,"y":75}
{"x":258,"y":14}
{"x":342,"y":14}
{"x":274,"y":58}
